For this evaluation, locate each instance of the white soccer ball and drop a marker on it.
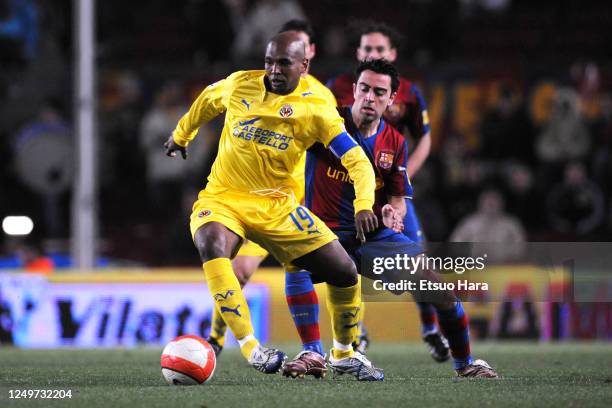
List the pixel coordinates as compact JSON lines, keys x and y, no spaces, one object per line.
{"x":188,"y":360}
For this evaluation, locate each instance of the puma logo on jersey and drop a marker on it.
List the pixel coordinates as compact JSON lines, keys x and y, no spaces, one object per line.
{"x":249,"y":122}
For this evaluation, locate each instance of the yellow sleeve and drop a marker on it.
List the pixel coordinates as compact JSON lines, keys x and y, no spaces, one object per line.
{"x":361,"y":172}
{"x":210,"y":103}
{"x":327,"y":126}
{"x":329,"y":96}
{"x":325,"y":123}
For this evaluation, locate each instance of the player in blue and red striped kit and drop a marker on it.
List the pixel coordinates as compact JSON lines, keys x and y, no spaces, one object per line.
{"x":330,"y":194}
{"x":408,"y":114}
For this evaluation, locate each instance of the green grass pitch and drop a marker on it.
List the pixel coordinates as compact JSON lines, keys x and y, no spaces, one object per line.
{"x":553,"y":375}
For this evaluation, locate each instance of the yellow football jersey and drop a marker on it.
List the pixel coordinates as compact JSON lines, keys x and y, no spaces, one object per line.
{"x":265,"y":134}
{"x":319,"y":90}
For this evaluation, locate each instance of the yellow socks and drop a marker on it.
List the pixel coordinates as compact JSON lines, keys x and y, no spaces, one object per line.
{"x":230,"y":302}
{"x":343,"y":306}
{"x":360,"y":329}
{"x":218,"y":327}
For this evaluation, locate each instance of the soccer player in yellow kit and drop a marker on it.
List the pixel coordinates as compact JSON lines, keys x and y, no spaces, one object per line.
{"x":271,"y":119}
{"x":251,"y":255}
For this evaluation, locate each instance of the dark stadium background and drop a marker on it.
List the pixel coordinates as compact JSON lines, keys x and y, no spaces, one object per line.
{"x":520,"y":103}
{"x":465,"y":55}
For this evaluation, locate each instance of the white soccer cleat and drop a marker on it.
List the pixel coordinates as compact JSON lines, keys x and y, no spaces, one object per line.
{"x":267,"y":360}
{"x":478,"y":369}
{"x":358,"y":366}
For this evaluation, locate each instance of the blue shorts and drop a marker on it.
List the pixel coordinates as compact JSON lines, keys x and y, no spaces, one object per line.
{"x":412,"y":225}
{"x":383,"y":242}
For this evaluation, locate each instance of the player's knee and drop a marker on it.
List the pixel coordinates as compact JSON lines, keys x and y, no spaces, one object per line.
{"x":210,"y":247}
{"x":346,"y":274}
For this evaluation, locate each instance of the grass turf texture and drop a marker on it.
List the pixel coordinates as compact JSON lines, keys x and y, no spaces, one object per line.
{"x":556,"y":375}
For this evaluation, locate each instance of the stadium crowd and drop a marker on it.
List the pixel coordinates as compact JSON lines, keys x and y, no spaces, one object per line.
{"x":521,"y":122}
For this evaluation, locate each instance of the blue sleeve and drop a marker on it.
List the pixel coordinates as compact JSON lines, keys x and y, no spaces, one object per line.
{"x":341,"y":144}
{"x":422,"y":114}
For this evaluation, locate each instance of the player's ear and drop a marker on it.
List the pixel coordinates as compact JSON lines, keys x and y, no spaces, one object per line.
{"x":358,"y":54}
{"x":313,"y":50}
{"x":392,"y":98}
{"x":392,"y":54}
{"x":354,"y":90}
{"x":304,"y":66}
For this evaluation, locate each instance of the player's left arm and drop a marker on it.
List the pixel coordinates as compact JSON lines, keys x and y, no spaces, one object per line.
{"x":328,"y":128}
{"x":397,"y":187}
{"x":421,"y":133}
{"x":359,"y":169}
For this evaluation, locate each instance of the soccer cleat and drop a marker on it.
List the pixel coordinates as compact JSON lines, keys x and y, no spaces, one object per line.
{"x":438,"y":346}
{"x":358,"y":366}
{"x":306,"y":363}
{"x":217,"y":348}
{"x":267,"y":360}
{"x":478,"y":369}
{"x":363,"y":342}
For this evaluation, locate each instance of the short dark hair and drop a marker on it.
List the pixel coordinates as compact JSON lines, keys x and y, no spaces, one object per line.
{"x":380,"y":66}
{"x":299,"y":25}
{"x":363,"y":27}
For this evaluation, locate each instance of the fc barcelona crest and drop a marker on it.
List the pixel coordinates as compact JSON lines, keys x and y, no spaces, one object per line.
{"x":385,"y":159}
{"x":286,"y":111}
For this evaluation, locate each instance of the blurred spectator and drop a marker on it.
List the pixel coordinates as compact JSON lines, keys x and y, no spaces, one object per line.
{"x":506,"y":132}
{"x":576,"y":206}
{"x":463,"y":178}
{"x":490,"y":225}
{"x":166,"y":177}
{"x":47,"y":141}
{"x":565,"y":137}
{"x":521,"y":196}
{"x":33,"y":260}
{"x":262,"y":22}
{"x":18,"y":30}
{"x":430,"y":209}
{"x":120,"y":113}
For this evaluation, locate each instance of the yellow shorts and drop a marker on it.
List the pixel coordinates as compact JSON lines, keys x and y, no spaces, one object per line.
{"x":249,"y":248}
{"x":279,"y":224}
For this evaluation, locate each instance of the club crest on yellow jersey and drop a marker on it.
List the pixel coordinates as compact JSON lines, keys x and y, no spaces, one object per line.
{"x":204,"y":213}
{"x":285,"y":111}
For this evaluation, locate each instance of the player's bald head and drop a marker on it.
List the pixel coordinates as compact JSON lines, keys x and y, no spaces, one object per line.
{"x":288,"y":42}
{"x":285,"y":62}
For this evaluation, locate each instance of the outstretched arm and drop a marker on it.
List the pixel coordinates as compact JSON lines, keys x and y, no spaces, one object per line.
{"x":359,"y":168}
{"x":209,"y":104}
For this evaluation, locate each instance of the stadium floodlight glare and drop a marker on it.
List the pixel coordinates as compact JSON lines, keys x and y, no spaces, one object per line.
{"x":17,"y":225}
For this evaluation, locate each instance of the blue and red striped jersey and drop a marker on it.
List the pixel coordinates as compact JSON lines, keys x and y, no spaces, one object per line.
{"x":407,"y":111}
{"x":329,"y":190}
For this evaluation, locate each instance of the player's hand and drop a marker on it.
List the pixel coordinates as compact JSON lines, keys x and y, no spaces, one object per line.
{"x":365,"y":222}
{"x":392,"y":219}
{"x":172,"y":148}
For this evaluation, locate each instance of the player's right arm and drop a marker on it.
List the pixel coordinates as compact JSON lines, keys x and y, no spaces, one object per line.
{"x":210,"y":103}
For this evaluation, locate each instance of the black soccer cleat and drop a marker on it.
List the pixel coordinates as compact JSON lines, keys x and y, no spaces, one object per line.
{"x":438,"y":346}
{"x":217,"y":348}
